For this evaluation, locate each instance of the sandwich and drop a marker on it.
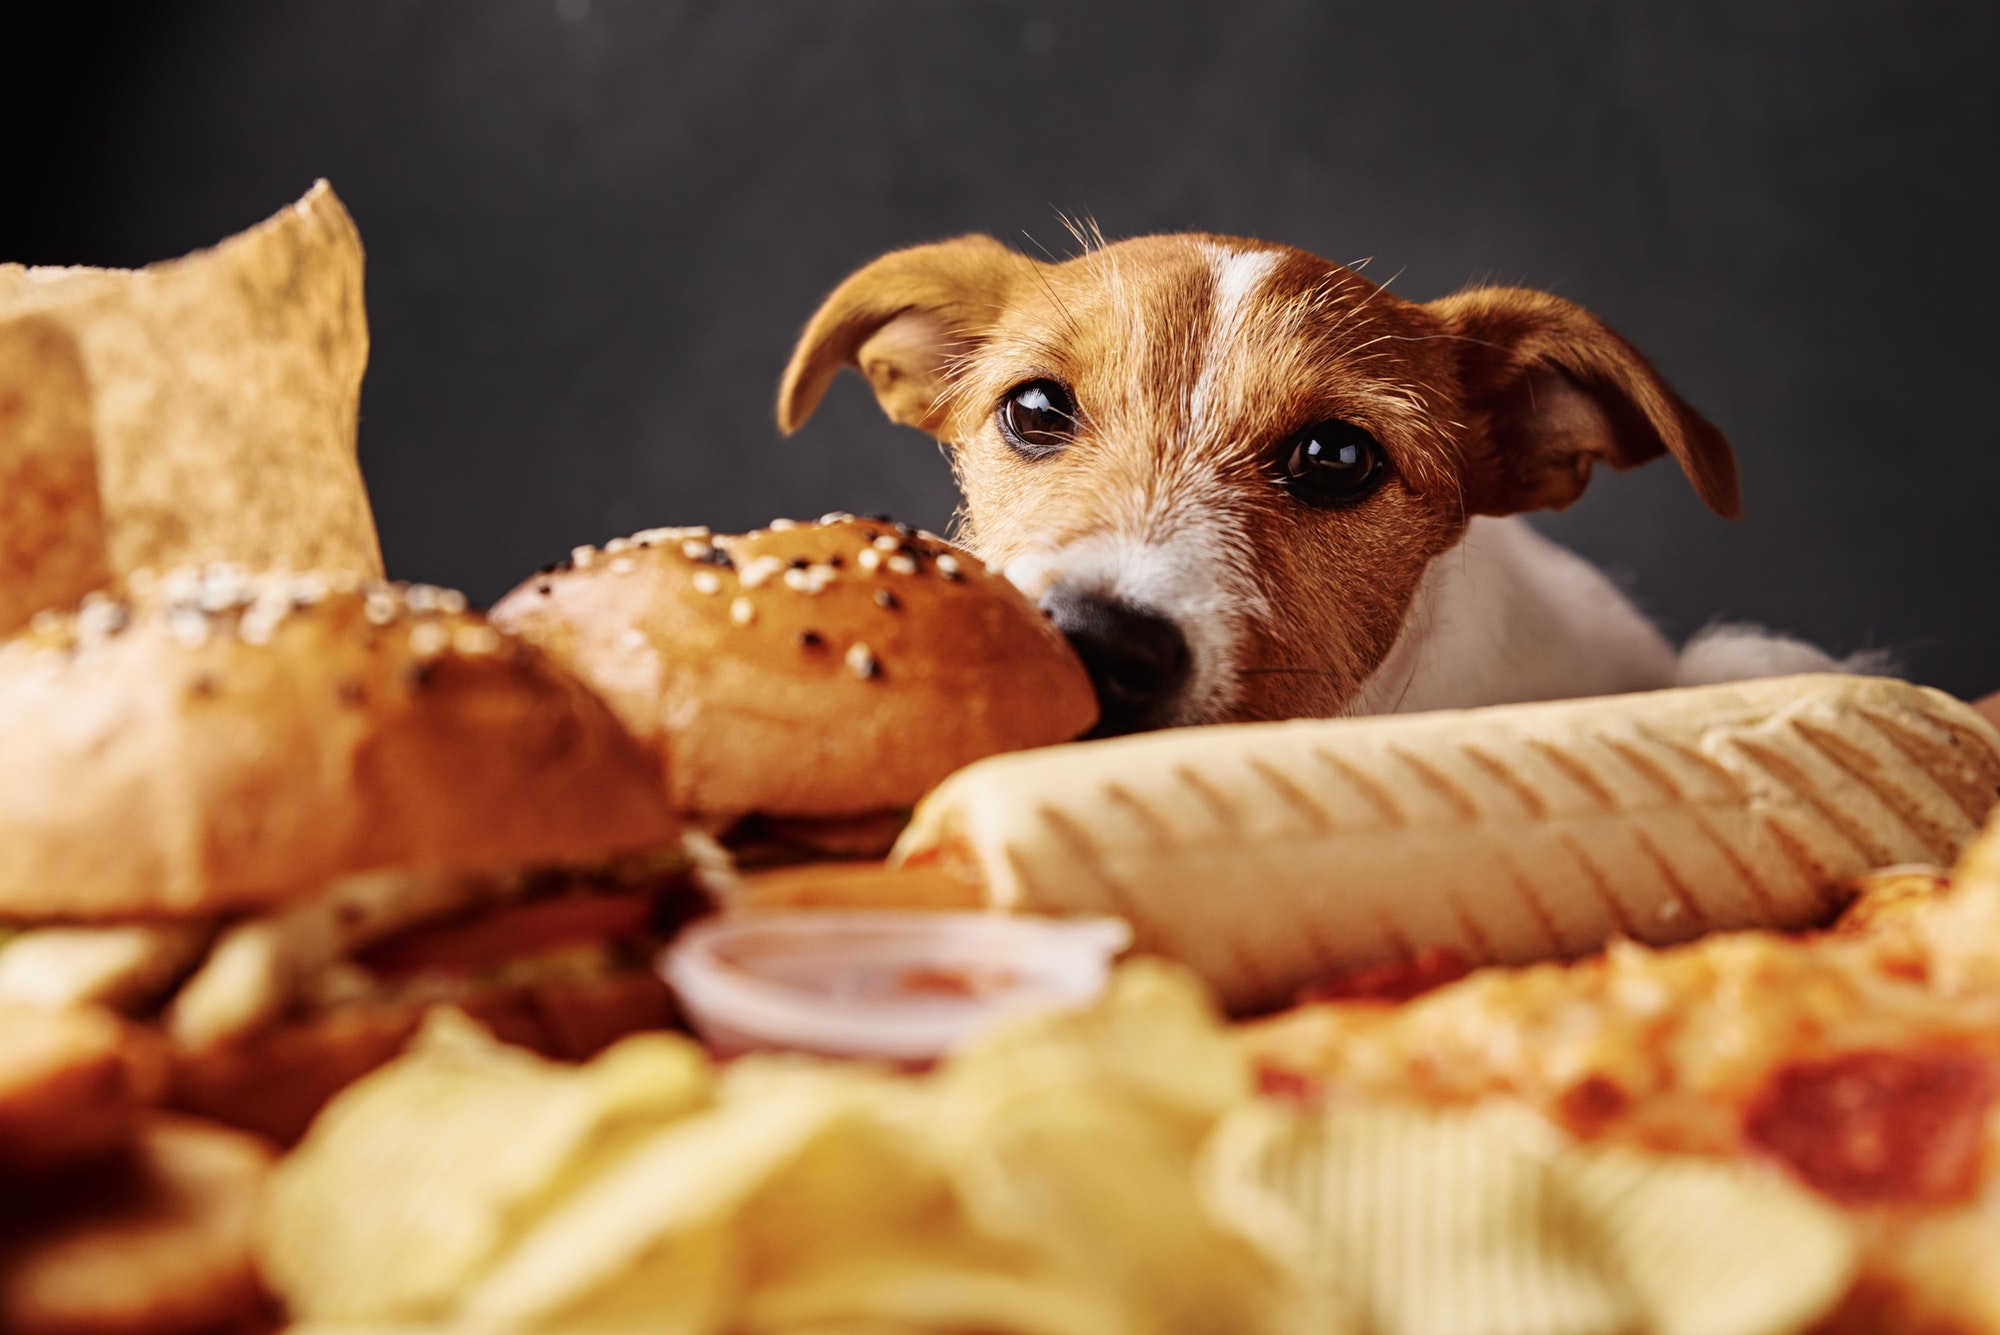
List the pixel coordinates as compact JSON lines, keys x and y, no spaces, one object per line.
{"x":276,"y":816}
{"x":804,"y":684}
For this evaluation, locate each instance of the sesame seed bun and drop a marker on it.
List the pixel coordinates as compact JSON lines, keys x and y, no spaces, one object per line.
{"x":806,"y":670}
{"x":223,"y":741}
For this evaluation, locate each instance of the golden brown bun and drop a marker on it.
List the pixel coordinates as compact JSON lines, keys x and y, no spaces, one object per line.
{"x":154,"y":1241}
{"x":72,"y":1086}
{"x":807,"y":670}
{"x":275,"y":1081}
{"x":166,"y":759}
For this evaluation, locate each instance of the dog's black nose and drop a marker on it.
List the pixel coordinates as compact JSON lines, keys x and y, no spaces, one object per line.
{"x":1137,"y":660}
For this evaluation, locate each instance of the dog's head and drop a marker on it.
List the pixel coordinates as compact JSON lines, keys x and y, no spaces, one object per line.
{"x":1223,"y":466}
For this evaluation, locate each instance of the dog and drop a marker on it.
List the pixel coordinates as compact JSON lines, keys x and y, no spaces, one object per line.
{"x":1249,"y":484}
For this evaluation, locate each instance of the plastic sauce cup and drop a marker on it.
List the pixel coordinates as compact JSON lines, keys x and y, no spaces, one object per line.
{"x":902,"y":987}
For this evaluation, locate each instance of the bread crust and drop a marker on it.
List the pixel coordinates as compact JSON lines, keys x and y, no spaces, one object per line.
{"x":225,"y":741}
{"x":808,"y":670}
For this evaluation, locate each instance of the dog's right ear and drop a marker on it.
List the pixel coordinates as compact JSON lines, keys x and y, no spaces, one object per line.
{"x":901,"y":320}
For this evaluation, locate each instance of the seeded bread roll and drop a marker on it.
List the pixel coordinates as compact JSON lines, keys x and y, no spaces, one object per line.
{"x":806,"y":670}
{"x":1266,"y":855}
{"x":224,"y":741}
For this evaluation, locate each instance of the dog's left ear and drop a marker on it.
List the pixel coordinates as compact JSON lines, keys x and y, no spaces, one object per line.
{"x":1553,"y":390}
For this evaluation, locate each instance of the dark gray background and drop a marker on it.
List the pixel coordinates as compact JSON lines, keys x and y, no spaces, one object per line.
{"x":594,"y":228}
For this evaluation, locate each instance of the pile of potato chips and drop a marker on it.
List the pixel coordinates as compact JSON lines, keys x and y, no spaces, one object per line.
{"x":1069,"y":1174}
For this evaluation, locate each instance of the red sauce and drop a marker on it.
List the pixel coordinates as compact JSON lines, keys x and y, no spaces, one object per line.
{"x":1880,"y":1128}
{"x":1390,"y":983}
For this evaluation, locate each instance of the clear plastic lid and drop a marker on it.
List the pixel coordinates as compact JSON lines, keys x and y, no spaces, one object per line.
{"x":886,"y":985}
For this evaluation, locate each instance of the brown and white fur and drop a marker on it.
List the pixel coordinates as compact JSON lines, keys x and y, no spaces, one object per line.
{"x":1191,"y":359}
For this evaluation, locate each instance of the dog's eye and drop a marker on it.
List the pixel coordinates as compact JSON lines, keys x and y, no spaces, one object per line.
{"x":1038,"y":418}
{"x":1333,"y":463}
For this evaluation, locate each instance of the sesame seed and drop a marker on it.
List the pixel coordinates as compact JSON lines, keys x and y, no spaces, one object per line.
{"x":100,"y":616}
{"x":623,"y":565}
{"x":869,"y":559}
{"x":46,"y":621}
{"x":947,"y":564}
{"x":718,"y":557}
{"x":759,"y":570}
{"x":188,"y":625}
{"x":901,"y":564}
{"x":181,"y":585}
{"x":695,"y":550}
{"x":451,"y":602}
{"x":885,"y":543}
{"x":308,"y":589}
{"x":616,"y":545}
{"x":224,"y":587}
{"x":380,"y":608}
{"x":581,"y":557}
{"x":474,"y":640}
{"x":884,"y":598}
{"x":707,"y":581}
{"x":782,"y":525}
{"x":742,"y":611}
{"x":428,"y":639}
{"x":421,"y":597}
{"x":545,"y":588}
{"x":861,"y":661}
{"x":633,"y":638}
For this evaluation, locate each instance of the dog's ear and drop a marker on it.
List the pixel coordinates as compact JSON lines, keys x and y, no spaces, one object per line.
{"x":1556,"y":391}
{"x":901,"y":320}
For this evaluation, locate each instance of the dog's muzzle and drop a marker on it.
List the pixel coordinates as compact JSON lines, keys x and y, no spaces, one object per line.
{"x":1138,"y":660}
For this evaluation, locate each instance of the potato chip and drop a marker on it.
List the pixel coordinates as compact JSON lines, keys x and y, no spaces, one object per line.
{"x":1409,"y":1221}
{"x":414,"y":1177}
{"x":1156,"y":1036}
{"x":923,"y":1290}
{"x":1710,"y":1247}
{"x":678,"y":1183}
{"x":1099,"y":1187}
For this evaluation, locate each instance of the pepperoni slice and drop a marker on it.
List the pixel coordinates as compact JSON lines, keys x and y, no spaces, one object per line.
{"x":1880,"y":1128}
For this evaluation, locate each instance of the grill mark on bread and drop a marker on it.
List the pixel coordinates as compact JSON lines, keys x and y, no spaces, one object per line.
{"x":1393,"y":934}
{"x":1600,"y":885}
{"x":1646,"y":768}
{"x":1692,"y":755}
{"x":1156,"y":829}
{"x":1473,"y":931}
{"x":1675,"y":886}
{"x":1090,"y":857}
{"x":1538,"y":909}
{"x":1224,"y":811}
{"x":1801,"y":858}
{"x":1801,"y":786}
{"x":1438,"y":782}
{"x":1576,"y":772}
{"x":1942,"y":762}
{"x":1767,"y":907}
{"x":1863,"y":768}
{"x":1378,"y":797}
{"x":1297,"y":798}
{"x":1029,"y":889}
{"x":1523,"y":791}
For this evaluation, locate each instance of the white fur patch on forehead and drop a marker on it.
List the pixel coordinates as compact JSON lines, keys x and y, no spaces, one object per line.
{"x":1194,"y":574}
{"x":1238,"y":276}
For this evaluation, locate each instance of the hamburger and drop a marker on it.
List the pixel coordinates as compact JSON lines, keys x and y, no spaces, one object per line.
{"x":803,"y":685}
{"x":275,"y":816}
